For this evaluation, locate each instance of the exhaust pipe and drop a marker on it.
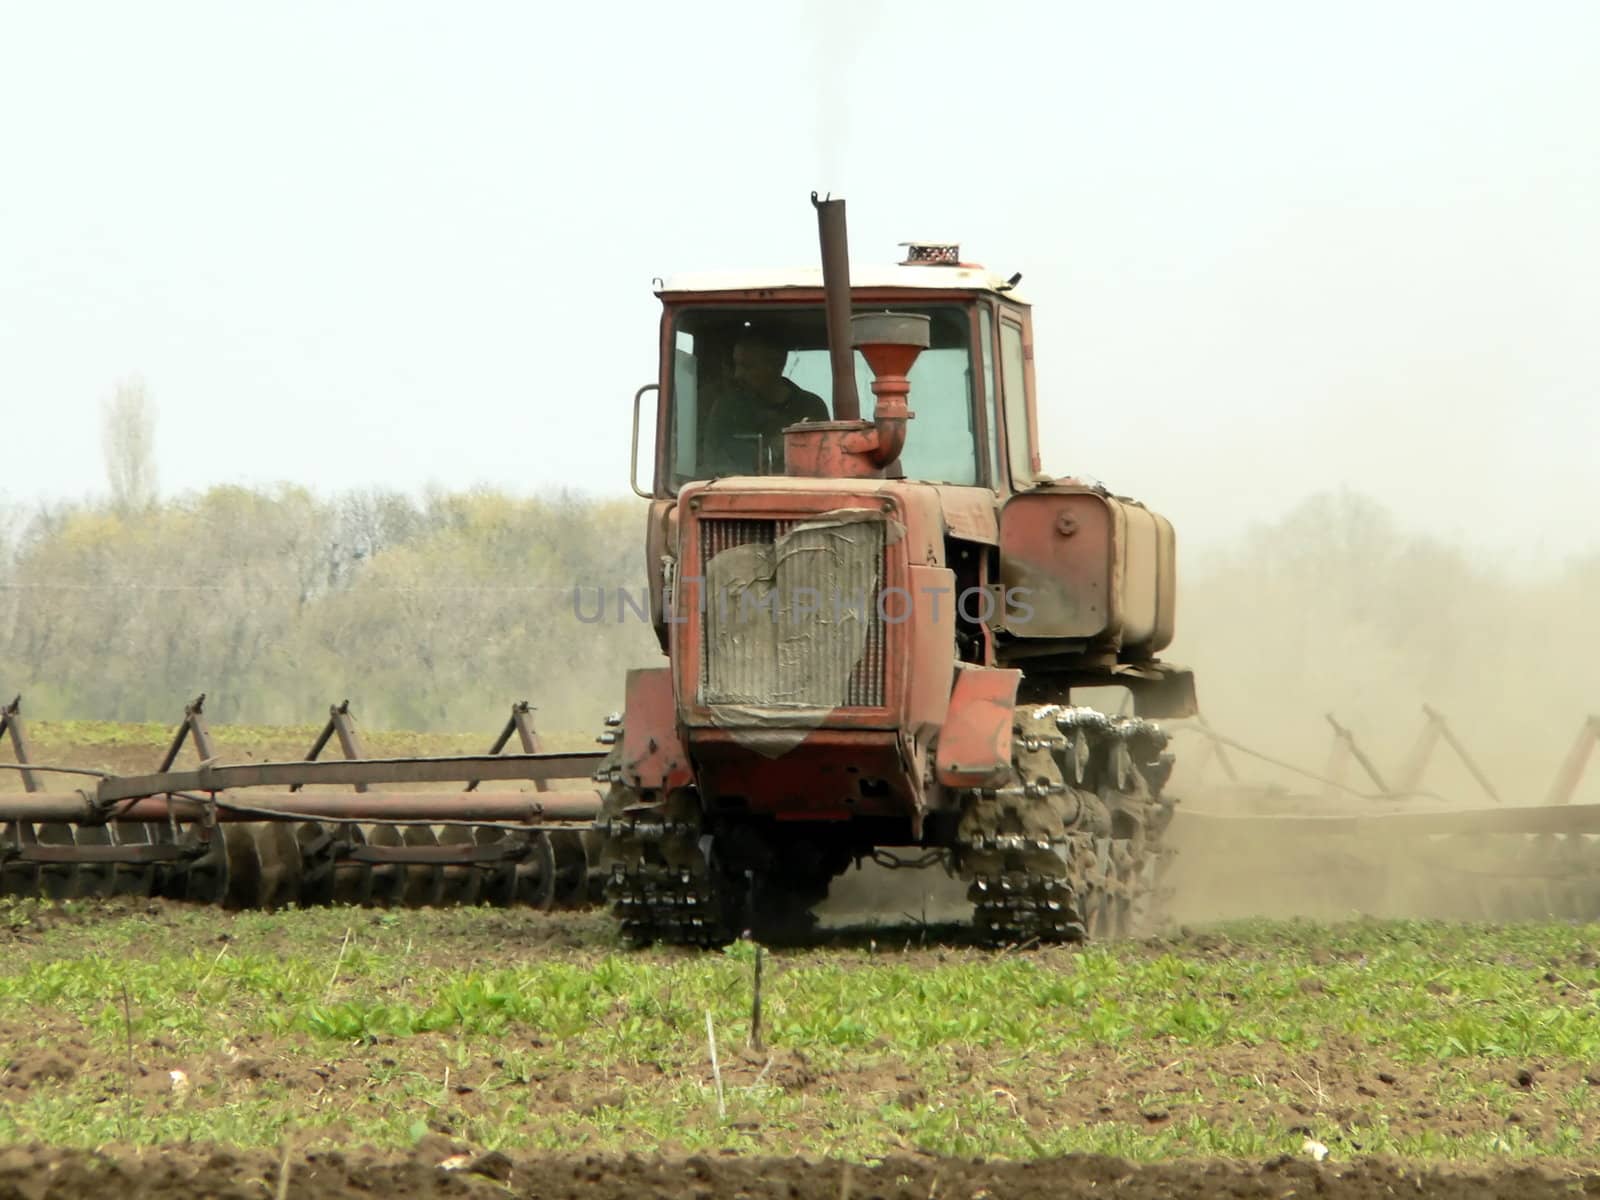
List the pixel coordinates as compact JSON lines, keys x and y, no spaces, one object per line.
{"x":836,"y":288}
{"x":847,"y":446}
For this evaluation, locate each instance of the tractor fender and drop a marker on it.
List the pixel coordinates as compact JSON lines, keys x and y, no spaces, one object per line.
{"x":653,"y":755}
{"x":974,"y":748}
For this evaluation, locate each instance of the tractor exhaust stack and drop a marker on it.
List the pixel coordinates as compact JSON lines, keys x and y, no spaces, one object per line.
{"x":835,"y":240}
{"x":848,"y":447}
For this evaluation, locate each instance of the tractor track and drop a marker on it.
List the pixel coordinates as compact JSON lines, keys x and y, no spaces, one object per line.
{"x":1067,"y":850}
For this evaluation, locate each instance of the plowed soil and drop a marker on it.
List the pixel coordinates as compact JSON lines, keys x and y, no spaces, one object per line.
{"x":42,"y":1174}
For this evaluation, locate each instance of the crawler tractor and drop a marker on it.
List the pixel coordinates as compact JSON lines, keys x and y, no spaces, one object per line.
{"x":878,"y":636}
{"x":874,"y":628}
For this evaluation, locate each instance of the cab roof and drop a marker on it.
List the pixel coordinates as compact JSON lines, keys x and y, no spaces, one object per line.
{"x":960,"y":278}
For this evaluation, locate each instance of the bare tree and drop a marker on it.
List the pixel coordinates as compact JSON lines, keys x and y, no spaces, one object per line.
{"x":128,"y":428}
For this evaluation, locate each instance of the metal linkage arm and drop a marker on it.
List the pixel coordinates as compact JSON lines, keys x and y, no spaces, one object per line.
{"x":216,"y":777}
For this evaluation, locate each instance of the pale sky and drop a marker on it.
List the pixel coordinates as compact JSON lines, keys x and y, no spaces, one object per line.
{"x":1273,"y":248}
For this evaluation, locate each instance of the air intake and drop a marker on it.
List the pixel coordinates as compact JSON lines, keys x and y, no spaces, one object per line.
{"x":931,"y":254}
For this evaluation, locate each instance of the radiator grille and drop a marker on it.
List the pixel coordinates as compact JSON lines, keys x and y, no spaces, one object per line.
{"x":751,"y":655}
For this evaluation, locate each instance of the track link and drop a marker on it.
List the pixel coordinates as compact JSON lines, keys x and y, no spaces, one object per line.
{"x":660,"y":881}
{"x":1069,"y":848}
{"x":655,"y":903}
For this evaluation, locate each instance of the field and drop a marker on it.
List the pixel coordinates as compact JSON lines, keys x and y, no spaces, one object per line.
{"x":159,"y":1049}
{"x":426,"y":1035}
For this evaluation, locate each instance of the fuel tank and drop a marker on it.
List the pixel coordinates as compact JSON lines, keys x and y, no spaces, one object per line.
{"x":1081,"y":565}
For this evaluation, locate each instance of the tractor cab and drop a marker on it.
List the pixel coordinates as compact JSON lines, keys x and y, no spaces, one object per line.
{"x":745,"y":356}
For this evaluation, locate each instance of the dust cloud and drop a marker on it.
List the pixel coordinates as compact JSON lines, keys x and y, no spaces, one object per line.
{"x":1336,"y":608}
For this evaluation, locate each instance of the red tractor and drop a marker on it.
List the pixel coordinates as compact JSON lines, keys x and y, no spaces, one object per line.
{"x":873,"y":627}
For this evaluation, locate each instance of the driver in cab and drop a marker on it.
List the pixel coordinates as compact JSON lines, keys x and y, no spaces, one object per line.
{"x":745,"y":427}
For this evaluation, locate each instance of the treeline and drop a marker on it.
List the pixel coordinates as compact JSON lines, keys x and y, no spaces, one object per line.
{"x":430,"y":613}
{"x":437,"y":612}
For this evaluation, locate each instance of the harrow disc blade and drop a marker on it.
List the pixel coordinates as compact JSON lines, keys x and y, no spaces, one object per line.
{"x":570,"y":866}
{"x":205,"y":880}
{"x":133,"y":879}
{"x":58,"y":881}
{"x":499,"y":880}
{"x":536,"y":875}
{"x":278,"y":852}
{"x":242,"y":882}
{"x":18,"y":878}
{"x":463,"y":883}
{"x":386,"y":882}
{"x":424,"y":887}
{"x":95,"y":880}
{"x":319,"y":869}
{"x":170,"y":881}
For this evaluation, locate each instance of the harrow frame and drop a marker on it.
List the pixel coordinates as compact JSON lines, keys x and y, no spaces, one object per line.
{"x":214,"y":833}
{"x":1396,"y":850}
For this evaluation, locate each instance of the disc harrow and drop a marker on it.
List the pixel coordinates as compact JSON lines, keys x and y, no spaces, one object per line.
{"x":215,"y":835}
{"x":1385,"y":848}
{"x":1081,"y":842}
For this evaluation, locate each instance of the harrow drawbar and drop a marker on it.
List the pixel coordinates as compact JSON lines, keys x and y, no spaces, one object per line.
{"x":247,"y":836}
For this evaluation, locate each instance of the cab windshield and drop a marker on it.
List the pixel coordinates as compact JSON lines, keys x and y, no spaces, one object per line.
{"x":739,"y":375}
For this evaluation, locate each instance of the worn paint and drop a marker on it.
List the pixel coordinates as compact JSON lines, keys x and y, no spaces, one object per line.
{"x":653,"y":756}
{"x":1095,"y":567}
{"x":974,"y":747}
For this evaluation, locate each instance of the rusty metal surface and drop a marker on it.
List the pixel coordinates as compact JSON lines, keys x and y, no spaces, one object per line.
{"x":108,"y":852}
{"x":834,"y":239}
{"x":264,"y":848}
{"x":876,"y":706}
{"x":832,"y":450}
{"x":931,"y":661}
{"x":216,"y":777}
{"x":1345,"y":745}
{"x":81,"y":807}
{"x":1056,"y":555}
{"x":340,"y":724}
{"x":975,"y":747}
{"x":1577,"y":760}
{"x":970,"y":513}
{"x":519,"y":723}
{"x":193,"y":725}
{"x":830,"y":775}
{"x":1094,"y":566}
{"x":653,"y":756}
{"x":460,"y":854}
{"x":11,"y":725}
